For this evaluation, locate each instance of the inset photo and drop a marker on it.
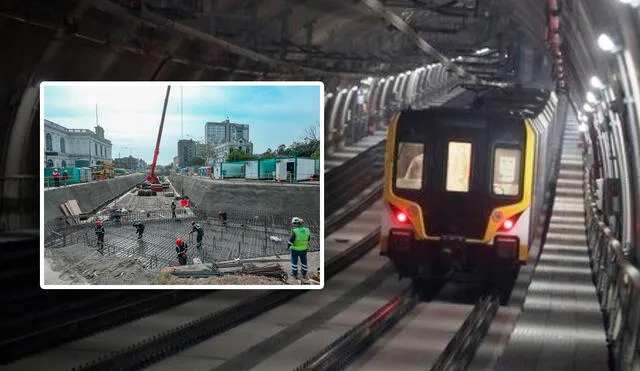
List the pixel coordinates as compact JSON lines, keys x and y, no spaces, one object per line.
{"x":191,"y":185}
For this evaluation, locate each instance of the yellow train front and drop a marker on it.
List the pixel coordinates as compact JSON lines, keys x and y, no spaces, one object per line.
{"x":458,"y":190}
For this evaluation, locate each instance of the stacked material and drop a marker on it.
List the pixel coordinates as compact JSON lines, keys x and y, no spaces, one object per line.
{"x":71,"y":209}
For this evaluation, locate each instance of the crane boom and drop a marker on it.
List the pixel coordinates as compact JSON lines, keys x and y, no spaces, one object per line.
{"x":152,"y":178}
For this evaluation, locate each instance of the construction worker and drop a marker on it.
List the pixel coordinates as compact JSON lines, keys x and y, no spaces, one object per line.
{"x":139,"y":228}
{"x":65,"y":176}
{"x":181,"y":249}
{"x":99,"y":229}
{"x":195,"y":227}
{"x":298,"y":243}
{"x":173,"y":209}
{"x":56,"y":177}
{"x":223,"y":217}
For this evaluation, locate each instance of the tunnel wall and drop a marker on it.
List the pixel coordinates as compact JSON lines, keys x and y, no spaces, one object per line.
{"x":282,"y":199}
{"x":89,"y":195}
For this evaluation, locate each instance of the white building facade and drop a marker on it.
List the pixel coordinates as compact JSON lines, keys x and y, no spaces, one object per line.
{"x":226,"y":137}
{"x":63,"y":147}
{"x":222,"y":151}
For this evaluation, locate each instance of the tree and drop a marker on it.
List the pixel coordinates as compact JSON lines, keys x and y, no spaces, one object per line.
{"x":311,"y":134}
{"x":268,"y":154}
{"x":205,"y":151}
{"x":240,"y":156}
{"x":197,"y":161}
{"x":282,"y":150}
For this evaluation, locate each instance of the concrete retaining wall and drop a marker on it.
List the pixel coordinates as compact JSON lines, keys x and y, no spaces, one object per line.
{"x":89,"y":195}
{"x":287,"y":200}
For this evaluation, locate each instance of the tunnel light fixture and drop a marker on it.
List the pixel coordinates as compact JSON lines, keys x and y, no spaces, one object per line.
{"x":633,"y":3}
{"x":587,"y":107}
{"x":606,"y":43}
{"x":354,"y":88}
{"x":367,"y":81}
{"x":596,"y":83}
{"x":583,"y":128}
{"x":591,"y":98}
{"x":581,"y":117}
{"x":482,"y":51}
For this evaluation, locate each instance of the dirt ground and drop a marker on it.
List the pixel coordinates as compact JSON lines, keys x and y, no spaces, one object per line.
{"x":169,"y":279}
{"x":82,"y":265}
{"x":78,"y":264}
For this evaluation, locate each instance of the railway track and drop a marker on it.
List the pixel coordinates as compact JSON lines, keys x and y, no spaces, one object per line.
{"x":418,"y":329}
{"x":227,"y":340}
{"x":145,"y":339}
{"x":135,"y":343}
{"x":55,"y":326}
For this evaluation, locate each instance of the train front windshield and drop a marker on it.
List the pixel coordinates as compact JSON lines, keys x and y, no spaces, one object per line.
{"x":409,"y":163}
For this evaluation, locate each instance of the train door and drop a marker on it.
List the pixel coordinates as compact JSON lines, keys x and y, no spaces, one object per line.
{"x":458,"y":191}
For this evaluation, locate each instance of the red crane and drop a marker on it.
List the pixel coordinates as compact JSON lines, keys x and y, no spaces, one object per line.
{"x":152,"y":178}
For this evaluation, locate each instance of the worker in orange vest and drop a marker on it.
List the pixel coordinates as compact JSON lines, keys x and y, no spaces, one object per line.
{"x":56,"y":177}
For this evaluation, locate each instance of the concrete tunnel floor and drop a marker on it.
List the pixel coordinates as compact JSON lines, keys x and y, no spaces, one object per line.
{"x":127,"y":260}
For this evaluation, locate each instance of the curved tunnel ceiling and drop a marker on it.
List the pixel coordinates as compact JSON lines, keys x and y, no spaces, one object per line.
{"x":292,"y":38}
{"x":336,"y":41}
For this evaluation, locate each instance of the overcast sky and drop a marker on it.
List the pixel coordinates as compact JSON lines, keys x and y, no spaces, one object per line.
{"x":131,"y":115}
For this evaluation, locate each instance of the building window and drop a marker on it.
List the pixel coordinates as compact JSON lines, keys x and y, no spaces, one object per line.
{"x":49,"y":142}
{"x":458,"y":167}
{"x":64,"y":163}
{"x":49,"y":162}
{"x":62,"y":146}
{"x":96,"y":148}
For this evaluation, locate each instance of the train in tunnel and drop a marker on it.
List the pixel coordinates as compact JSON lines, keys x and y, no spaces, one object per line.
{"x":463,"y":184}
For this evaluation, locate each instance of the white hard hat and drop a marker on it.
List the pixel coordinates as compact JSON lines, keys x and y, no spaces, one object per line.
{"x":296,"y":220}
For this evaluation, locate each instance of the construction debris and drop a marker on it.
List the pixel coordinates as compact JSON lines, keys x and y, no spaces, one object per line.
{"x":271,"y":270}
{"x":233,"y":268}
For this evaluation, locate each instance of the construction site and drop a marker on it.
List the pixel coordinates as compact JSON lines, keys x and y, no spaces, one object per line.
{"x":246,"y":226}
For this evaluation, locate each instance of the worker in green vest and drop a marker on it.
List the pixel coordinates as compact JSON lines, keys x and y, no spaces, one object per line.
{"x":298,"y":243}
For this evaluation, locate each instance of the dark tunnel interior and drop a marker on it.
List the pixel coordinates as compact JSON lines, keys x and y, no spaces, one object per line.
{"x":569,"y":68}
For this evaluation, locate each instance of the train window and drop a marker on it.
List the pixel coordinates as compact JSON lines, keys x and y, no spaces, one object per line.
{"x":458,"y":166}
{"x":409,"y":165}
{"x":506,"y":171}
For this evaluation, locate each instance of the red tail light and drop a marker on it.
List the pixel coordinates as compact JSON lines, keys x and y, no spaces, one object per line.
{"x":399,"y":215}
{"x":509,"y":223}
{"x":402,"y":217}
